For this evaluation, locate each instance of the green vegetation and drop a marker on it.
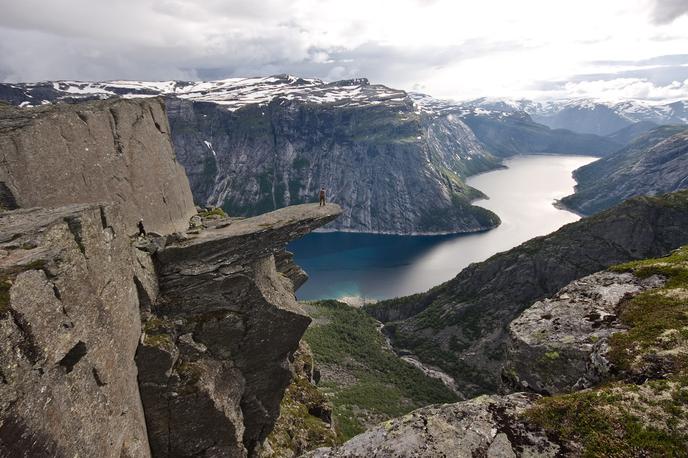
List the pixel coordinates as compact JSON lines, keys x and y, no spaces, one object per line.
{"x":624,"y":419}
{"x":371,"y":383}
{"x":658,"y":318}
{"x":297,"y":429}
{"x":599,"y":421}
{"x":217,"y":211}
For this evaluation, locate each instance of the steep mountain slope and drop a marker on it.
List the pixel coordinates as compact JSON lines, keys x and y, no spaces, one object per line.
{"x":656,"y":163}
{"x":631,"y":133}
{"x":621,"y":330}
{"x":395,"y":162}
{"x":506,"y":134}
{"x":592,"y":116}
{"x":460,"y":325}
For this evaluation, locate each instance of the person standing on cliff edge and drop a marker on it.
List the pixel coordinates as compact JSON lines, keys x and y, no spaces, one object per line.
{"x":142,"y":230}
{"x":322,"y":196}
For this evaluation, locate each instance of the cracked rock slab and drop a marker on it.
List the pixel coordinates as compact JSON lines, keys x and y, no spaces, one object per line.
{"x":488,"y":426}
{"x":559,"y":344}
{"x":69,"y":328}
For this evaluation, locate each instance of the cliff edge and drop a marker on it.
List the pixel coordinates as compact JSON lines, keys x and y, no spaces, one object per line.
{"x":179,"y":344}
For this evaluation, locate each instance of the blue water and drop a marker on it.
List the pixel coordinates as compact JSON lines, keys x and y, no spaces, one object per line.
{"x":370,"y":266}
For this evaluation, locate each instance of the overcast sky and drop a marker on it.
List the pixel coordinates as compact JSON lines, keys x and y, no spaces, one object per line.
{"x":448,"y":48}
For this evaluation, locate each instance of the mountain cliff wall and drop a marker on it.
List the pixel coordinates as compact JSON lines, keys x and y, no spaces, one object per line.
{"x":105,"y":151}
{"x":392,"y":169}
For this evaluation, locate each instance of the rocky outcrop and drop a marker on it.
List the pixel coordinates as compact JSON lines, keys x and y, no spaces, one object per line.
{"x":305,"y":420}
{"x":215,"y":358}
{"x":654,"y":164}
{"x":69,"y":328}
{"x":108,"y":151}
{"x":461,"y":325}
{"x":560,"y":344}
{"x":284,"y":260}
{"x":487,"y":426}
{"x":221,"y":322}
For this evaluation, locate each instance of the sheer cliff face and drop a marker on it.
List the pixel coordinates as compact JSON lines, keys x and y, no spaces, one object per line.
{"x":69,"y":326}
{"x":215,"y":357}
{"x":391,"y":168}
{"x":109,"y":151}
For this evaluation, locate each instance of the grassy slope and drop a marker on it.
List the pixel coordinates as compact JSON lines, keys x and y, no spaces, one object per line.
{"x":644,"y":412}
{"x":366,"y":382}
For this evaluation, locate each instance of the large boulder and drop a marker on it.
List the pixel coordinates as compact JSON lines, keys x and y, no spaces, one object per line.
{"x":489,"y":426}
{"x":560,"y":344}
{"x":105,"y":151}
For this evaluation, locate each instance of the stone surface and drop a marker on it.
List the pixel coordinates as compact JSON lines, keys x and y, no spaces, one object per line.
{"x":69,"y":328}
{"x":108,"y":151}
{"x":488,"y":426}
{"x":559,"y":344}
{"x":285,"y":264}
{"x":216,"y":354}
{"x":461,"y":325}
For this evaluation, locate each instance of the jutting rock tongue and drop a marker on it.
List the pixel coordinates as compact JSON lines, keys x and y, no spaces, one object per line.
{"x":106,"y":151}
{"x":214,"y":360}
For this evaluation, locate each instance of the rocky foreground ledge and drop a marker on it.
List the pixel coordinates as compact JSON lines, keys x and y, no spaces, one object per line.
{"x":220,"y":324}
{"x":214,"y":360}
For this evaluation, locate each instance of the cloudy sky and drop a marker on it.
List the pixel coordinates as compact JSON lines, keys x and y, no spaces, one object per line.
{"x":448,"y":48}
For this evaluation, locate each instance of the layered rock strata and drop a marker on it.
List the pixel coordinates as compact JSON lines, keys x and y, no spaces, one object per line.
{"x":69,"y":329}
{"x":215,"y":357}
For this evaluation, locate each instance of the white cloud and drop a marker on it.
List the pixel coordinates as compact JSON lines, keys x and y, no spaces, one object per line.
{"x":449,"y":48}
{"x":627,"y":88}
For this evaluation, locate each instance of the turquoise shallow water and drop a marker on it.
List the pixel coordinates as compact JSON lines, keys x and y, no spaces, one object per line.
{"x":371,"y":266}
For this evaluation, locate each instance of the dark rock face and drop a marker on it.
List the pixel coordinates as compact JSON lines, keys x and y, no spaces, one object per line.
{"x":215,"y":358}
{"x":284,"y":260}
{"x":391,"y":168}
{"x":560,"y":344}
{"x":461,"y":326}
{"x":654,"y":164}
{"x":486,"y":426}
{"x":69,"y":328}
{"x":108,"y":151}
